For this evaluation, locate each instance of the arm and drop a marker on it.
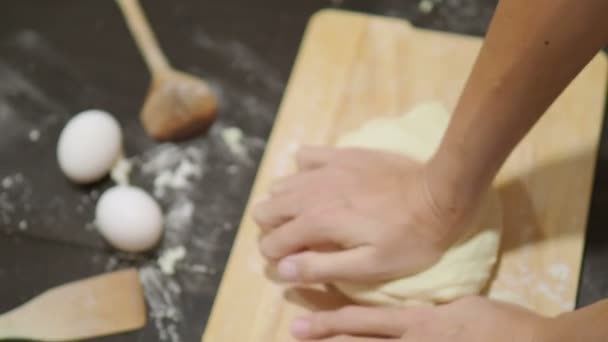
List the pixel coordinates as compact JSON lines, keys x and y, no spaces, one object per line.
{"x":533,"y":49}
{"x":586,"y":324}
{"x":471,"y":319}
{"x":410,"y":213}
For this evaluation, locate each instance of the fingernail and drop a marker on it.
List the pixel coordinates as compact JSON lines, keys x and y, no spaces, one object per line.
{"x":301,"y":328}
{"x":287,"y":270}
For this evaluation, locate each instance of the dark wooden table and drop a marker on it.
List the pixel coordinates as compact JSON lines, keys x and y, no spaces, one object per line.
{"x":63,"y":56}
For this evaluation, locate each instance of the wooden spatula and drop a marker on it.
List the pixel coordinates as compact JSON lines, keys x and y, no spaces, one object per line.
{"x":96,"y":306}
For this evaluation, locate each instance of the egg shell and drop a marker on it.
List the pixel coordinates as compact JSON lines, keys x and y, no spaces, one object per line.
{"x":129,"y":218}
{"x":89,"y":145}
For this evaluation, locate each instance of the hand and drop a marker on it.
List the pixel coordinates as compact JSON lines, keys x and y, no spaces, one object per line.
{"x":471,"y":319}
{"x":354,"y":215}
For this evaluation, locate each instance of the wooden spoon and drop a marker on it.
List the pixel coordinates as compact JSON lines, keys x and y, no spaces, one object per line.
{"x":178,"y":105}
{"x":96,"y":306}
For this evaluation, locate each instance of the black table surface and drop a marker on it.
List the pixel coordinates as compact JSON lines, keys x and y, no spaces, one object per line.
{"x":63,"y":56}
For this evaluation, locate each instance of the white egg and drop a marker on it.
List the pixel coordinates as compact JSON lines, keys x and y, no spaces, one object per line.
{"x":89,"y":145}
{"x":129,"y":218}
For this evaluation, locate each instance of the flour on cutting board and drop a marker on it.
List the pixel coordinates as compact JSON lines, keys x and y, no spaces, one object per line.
{"x":559,"y":271}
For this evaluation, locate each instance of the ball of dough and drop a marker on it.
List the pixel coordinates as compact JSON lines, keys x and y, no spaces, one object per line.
{"x":466,"y":267}
{"x":89,"y":145}
{"x":129,"y":218}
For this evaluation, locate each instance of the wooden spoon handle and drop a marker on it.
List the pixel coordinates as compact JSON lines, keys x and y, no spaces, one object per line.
{"x":143,"y":35}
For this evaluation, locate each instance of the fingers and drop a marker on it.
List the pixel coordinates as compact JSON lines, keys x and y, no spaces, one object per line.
{"x":355,"y":339}
{"x":355,"y":264}
{"x":351,"y":320}
{"x":288,"y":197}
{"x":276,"y":211}
{"x":306,"y":231}
{"x":313,"y":157}
{"x":301,"y":180}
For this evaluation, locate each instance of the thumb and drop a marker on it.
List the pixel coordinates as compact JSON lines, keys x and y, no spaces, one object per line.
{"x":324,"y":267}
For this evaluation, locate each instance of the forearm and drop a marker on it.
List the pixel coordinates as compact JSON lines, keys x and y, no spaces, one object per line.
{"x":584,"y":325}
{"x":533,"y":49}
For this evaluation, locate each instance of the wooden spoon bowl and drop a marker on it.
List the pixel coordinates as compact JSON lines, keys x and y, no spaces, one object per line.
{"x":178,"y":106}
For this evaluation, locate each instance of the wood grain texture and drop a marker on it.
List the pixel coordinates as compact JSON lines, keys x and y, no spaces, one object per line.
{"x":103,"y":305}
{"x":354,"y":67}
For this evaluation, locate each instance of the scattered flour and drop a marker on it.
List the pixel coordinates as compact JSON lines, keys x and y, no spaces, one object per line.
{"x":202,"y":269}
{"x":241,"y":57}
{"x":34,"y":135}
{"x":559,"y":272}
{"x":7,"y":182}
{"x":426,"y":6}
{"x":121,"y":171}
{"x":12,"y":180}
{"x":507,"y":296}
{"x":179,"y":215}
{"x":169,"y":258}
{"x":179,"y":178}
{"x":233,"y":138}
{"x":162,"y":294}
{"x":15,"y":193}
{"x":173,"y":167}
{"x":553,"y":295}
{"x":232,"y":169}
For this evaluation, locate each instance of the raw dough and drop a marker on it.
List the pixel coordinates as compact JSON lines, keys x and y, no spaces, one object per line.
{"x":467,"y":266}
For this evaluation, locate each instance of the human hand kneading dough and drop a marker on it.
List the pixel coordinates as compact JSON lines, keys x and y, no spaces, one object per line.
{"x":471,"y":319}
{"x":313,"y":221}
{"x":376,"y":209}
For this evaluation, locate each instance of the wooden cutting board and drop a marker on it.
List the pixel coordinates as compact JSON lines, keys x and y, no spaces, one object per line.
{"x":354,"y":67}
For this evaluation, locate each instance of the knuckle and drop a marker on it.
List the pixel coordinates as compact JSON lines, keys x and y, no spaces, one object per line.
{"x":349,"y":311}
{"x":260,"y":214}
{"x":380,"y":266}
{"x":301,"y":154}
{"x":282,"y":185}
{"x":268,"y":249}
{"x":312,"y":268}
{"x":313,"y":218}
{"x":307,"y":272}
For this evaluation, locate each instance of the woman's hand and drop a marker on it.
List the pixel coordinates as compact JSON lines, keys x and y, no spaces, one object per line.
{"x":471,"y":319}
{"x":356,"y":215}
